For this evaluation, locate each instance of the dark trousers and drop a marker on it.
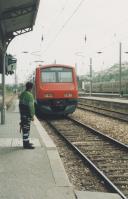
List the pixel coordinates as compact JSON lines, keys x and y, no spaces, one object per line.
{"x":25,"y":126}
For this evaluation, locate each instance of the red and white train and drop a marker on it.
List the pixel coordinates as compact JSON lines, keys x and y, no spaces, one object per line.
{"x":56,"y":90}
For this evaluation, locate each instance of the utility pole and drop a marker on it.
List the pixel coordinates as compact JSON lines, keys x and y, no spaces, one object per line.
{"x":90,"y":76}
{"x":76,"y":67}
{"x":120,"y":68}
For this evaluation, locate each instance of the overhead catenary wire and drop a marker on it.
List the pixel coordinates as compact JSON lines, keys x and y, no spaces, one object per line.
{"x":66,"y":22}
{"x":57,"y":17}
{"x":103,"y":48}
{"x":64,"y":25}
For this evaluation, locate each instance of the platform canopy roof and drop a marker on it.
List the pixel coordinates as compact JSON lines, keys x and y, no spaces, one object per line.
{"x":16,"y":17}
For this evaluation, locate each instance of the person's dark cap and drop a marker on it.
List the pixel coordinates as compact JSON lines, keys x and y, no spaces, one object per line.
{"x":29,"y":85}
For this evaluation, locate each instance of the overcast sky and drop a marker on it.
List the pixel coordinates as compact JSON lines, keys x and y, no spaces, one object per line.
{"x":64,"y":24}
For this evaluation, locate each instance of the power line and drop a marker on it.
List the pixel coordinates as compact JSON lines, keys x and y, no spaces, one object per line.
{"x":65,"y":23}
{"x":58,"y":16}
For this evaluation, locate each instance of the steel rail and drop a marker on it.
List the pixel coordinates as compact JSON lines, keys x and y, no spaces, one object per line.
{"x":94,"y":131}
{"x":102,"y":108}
{"x":108,"y":182}
{"x":105,"y":114}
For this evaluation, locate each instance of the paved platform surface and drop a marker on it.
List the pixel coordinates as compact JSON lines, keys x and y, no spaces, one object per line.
{"x":34,"y":174}
{"x":119,"y":105}
{"x":30,"y":174}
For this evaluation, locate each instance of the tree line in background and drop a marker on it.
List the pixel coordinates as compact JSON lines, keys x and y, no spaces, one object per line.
{"x":110,"y":74}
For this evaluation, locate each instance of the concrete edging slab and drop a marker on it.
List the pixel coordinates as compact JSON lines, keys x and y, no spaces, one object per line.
{"x":58,"y":170}
{"x":96,"y":195}
{"x":44,"y":137}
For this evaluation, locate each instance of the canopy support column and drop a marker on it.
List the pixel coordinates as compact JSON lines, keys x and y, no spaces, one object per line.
{"x":3,"y":108}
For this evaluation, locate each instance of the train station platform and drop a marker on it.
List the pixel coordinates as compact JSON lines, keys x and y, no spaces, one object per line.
{"x":30,"y":174}
{"x":34,"y":174}
{"x":116,"y":100}
{"x":119,"y":105}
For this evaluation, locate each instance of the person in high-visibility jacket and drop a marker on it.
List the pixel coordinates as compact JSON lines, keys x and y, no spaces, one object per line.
{"x":27,"y":112}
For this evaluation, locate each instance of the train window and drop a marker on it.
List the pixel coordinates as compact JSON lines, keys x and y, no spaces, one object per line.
{"x":49,"y":69}
{"x":55,"y":69}
{"x":65,"y":76}
{"x":48,"y":77}
{"x":56,"y":74}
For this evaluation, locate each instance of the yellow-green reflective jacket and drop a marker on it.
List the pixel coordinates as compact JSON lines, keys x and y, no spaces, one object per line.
{"x":26,"y":104}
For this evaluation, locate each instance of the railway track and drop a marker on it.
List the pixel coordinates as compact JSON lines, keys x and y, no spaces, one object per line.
{"x":108,"y":157}
{"x":104,"y":112}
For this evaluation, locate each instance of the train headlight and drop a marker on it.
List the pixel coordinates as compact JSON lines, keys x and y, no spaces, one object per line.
{"x":47,"y":95}
{"x":68,"y":95}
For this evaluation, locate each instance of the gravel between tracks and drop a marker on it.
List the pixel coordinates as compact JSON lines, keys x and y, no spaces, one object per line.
{"x":79,"y":174}
{"x":112,"y":127}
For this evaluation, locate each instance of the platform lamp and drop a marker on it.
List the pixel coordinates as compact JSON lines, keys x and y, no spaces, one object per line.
{"x":100,"y":52}
{"x":34,"y":53}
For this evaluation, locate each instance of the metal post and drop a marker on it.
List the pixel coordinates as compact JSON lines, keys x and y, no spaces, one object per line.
{"x":3,"y":108}
{"x":90,"y":76}
{"x":120,"y":67}
{"x":15,"y":81}
{"x":76,"y":67}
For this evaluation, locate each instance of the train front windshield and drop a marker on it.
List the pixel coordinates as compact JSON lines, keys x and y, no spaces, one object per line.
{"x":56,"y":75}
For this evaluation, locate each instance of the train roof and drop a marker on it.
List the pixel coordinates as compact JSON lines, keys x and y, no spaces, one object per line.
{"x":55,"y":65}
